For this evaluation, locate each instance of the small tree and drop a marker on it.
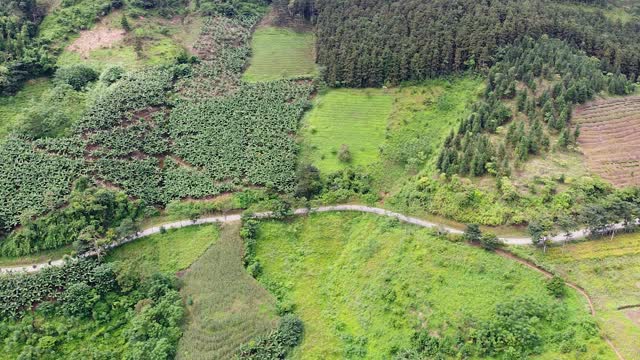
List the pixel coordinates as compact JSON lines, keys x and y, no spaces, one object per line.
{"x":78,"y":76}
{"x":344,"y":155}
{"x":472,"y":233}
{"x":490,"y":242}
{"x":124,"y":22}
{"x":556,"y":286}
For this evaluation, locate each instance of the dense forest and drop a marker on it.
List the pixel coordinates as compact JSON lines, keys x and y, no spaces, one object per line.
{"x":376,"y":42}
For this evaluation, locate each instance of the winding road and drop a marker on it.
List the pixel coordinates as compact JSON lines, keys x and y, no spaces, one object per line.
{"x":302,"y":211}
{"x":355,"y":208}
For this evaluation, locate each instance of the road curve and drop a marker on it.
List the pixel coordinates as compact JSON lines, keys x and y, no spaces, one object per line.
{"x":302,"y":211}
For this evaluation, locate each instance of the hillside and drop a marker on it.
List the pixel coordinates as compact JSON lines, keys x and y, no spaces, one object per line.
{"x":128,"y":127}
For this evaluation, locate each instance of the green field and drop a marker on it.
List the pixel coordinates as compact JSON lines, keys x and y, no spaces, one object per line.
{"x":363,"y":285}
{"x":225,"y":306}
{"x":12,"y":106}
{"x":356,"y":118}
{"x":609,"y":270}
{"x":398,"y":130}
{"x":170,"y":252}
{"x":280,"y":53}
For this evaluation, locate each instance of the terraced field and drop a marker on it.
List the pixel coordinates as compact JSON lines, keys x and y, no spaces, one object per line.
{"x":610,"y":138}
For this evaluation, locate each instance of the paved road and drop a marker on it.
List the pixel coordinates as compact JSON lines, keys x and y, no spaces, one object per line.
{"x":236,"y":217}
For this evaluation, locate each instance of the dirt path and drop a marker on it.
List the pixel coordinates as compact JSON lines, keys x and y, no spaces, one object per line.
{"x":580,"y":290}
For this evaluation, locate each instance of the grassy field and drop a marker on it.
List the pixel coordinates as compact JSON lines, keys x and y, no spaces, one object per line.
{"x":394,"y":132}
{"x":225,"y":306}
{"x":363,"y":285}
{"x":170,"y":252}
{"x":280,"y":53}
{"x":609,"y":270}
{"x":12,"y":106}
{"x":353,"y":117}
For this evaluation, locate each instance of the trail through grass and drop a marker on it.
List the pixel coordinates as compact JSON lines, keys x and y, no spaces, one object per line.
{"x":225,"y":306}
{"x":363,"y":285}
{"x":609,"y":270}
{"x":170,"y":252}
{"x":281,"y":53}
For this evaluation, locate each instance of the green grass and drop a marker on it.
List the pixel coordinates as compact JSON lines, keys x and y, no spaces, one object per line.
{"x":609,"y":270}
{"x":364,"y":284}
{"x":12,"y":106}
{"x":356,"y":118}
{"x":281,"y":53}
{"x":395,"y":132}
{"x":225,"y":306}
{"x":170,"y":252}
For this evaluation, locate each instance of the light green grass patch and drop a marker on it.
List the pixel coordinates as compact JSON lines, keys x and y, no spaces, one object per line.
{"x":353,"y":117}
{"x":609,"y":270}
{"x":226,"y":307}
{"x":12,"y":106}
{"x":280,"y":53}
{"x":170,"y":252}
{"x":363,"y":285}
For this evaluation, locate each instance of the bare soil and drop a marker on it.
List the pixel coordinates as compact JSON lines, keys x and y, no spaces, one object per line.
{"x":610,"y":138}
{"x":102,"y":36}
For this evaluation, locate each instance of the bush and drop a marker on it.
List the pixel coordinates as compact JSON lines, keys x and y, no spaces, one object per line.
{"x":344,"y":155}
{"x":78,"y":76}
{"x":277,"y":344}
{"x":111,"y":74}
{"x":556,"y":286}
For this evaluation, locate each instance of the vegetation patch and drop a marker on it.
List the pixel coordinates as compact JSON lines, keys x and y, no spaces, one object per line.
{"x":365,"y":286}
{"x":225,"y":306}
{"x":11,"y":107}
{"x":281,"y":53}
{"x":168,"y":252}
{"x":347,"y":120}
{"x":609,"y":270}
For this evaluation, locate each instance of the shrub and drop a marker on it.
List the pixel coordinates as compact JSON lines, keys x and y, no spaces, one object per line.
{"x":344,"y":155}
{"x":556,"y":286}
{"x":78,"y":76}
{"x":111,"y":74}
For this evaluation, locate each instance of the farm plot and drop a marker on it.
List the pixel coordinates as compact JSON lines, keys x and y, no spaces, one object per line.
{"x":609,"y":270}
{"x":225,"y":306}
{"x":280,"y":53}
{"x":350,"y":118}
{"x":610,"y":138}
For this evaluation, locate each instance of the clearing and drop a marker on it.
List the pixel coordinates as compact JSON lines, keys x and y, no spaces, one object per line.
{"x":363,"y":285}
{"x":609,"y":138}
{"x":225,"y":306}
{"x":281,"y":53}
{"x":170,"y":252}
{"x":609,"y":270}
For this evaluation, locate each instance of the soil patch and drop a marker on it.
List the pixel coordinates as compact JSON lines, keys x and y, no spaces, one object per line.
{"x":610,"y":138}
{"x":100,"y":37}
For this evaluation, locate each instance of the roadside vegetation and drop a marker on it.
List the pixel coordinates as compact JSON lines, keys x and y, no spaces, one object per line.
{"x":608,"y":270}
{"x":368,"y":287}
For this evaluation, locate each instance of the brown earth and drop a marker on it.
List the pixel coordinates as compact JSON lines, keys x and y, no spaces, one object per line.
{"x":610,"y":138}
{"x":100,"y":37}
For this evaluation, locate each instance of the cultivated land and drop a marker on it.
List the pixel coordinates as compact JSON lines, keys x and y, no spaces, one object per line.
{"x":609,"y":270}
{"x":363,"y":285}
{"x":225,"y":306}
{"x":609,"y":137}
{"x":352,"y":117}
{"x":281,"y":53}
{"x":168,"y":253}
